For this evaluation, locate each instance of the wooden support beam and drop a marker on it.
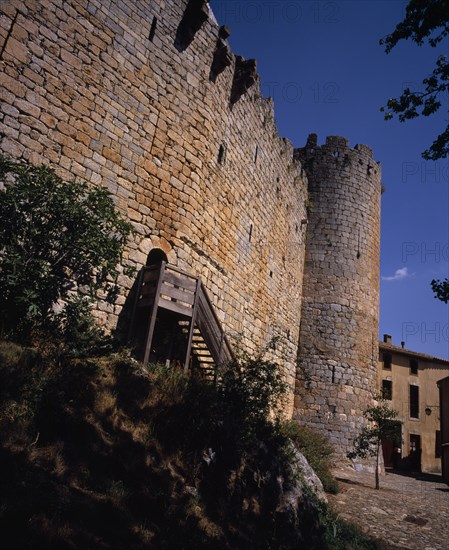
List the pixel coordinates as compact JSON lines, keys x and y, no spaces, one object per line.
{"x":192,"y":324}
{"x":153,"y":316}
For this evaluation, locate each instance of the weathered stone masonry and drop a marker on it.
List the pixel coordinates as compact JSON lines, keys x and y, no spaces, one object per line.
{"x":147,"y":99}
{"x":338,"y":349}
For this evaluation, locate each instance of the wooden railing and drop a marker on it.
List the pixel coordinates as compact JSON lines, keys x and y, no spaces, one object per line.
{"x":165,"y":286}
{"x":211,"y":330}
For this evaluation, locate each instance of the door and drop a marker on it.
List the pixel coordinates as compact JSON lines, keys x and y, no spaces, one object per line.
{"x":391,"y":445}
{"x":415,"y":453}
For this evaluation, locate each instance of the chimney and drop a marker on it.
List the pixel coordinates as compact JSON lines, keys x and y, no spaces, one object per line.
{"x":387,"y":338}
{"x":402,"y":345}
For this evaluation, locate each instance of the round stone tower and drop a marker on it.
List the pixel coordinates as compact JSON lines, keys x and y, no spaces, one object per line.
{"x":338,"y":347}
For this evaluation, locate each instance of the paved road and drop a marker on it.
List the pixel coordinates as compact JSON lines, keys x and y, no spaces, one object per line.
{"x":408,"y":512}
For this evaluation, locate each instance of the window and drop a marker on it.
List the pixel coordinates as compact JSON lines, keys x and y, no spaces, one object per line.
{"x":413,"y":366}
{"x":414,"y":401}
{"x":387,"y":360}
{"x":438,"y":444}
{"x":387,"y":389}
{"x":222,"y":154}
{"x":152,"y":30}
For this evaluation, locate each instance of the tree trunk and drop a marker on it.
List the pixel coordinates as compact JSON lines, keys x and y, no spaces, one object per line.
{"x":377,"y":466}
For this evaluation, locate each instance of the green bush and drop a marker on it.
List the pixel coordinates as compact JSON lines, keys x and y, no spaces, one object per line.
{"x":251,"y":392}
{"x":317,"y":450}
{"x":58,"y":238}
{"x":76,"y":331}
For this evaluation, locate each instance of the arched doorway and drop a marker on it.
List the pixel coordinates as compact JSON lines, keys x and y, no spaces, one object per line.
{"x":156,"y":256}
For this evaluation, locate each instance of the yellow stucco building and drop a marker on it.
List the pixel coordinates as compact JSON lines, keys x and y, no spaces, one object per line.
{"x":408,"y":379}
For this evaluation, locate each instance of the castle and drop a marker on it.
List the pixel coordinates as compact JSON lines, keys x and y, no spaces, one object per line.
{"x":147,"y":99}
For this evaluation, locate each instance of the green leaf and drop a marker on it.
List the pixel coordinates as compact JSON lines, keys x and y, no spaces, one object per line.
{"x":56,"y":236}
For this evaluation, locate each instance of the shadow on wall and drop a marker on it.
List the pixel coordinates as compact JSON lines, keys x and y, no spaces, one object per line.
{"x":196,"y":13}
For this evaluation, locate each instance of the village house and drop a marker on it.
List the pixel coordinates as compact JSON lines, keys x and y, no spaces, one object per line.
{"x":408,"y":379}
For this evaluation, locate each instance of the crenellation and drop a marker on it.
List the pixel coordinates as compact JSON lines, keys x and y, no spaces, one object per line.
{"x":341,"y":288}
{"x":122,"y":95}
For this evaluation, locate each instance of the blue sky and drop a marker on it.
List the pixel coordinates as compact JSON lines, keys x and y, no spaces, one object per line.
{"x":321,"y":62}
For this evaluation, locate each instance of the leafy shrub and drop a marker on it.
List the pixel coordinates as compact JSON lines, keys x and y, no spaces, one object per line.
{"x":316,"y":448}
{"x":251,"y":391}
{"x":57,"y":238}
{"x":77,"y":332}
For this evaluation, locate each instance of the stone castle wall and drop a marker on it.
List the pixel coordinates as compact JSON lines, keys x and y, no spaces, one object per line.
{"x":102,"y":91}
{"x":338,"y":345}
{"x":146,"y":99}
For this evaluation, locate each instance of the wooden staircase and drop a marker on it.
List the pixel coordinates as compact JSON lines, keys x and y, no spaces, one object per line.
{"x":201,"y":360}
{"x":167,"y":287}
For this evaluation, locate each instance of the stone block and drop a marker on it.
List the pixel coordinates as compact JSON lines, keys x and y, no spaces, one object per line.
{"x":12,"y":85}
{"x":18,"y":50}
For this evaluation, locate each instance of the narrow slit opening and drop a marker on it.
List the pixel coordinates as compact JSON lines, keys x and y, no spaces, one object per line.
{"x":153,"y":29}
{"x":222,"y":154}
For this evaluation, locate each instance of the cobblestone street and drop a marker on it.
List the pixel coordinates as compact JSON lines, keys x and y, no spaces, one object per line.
{"x":407,"y":512}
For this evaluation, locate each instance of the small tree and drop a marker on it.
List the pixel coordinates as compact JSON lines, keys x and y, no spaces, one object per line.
{"x":58,"y":239}
{"x":381,"y":426}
